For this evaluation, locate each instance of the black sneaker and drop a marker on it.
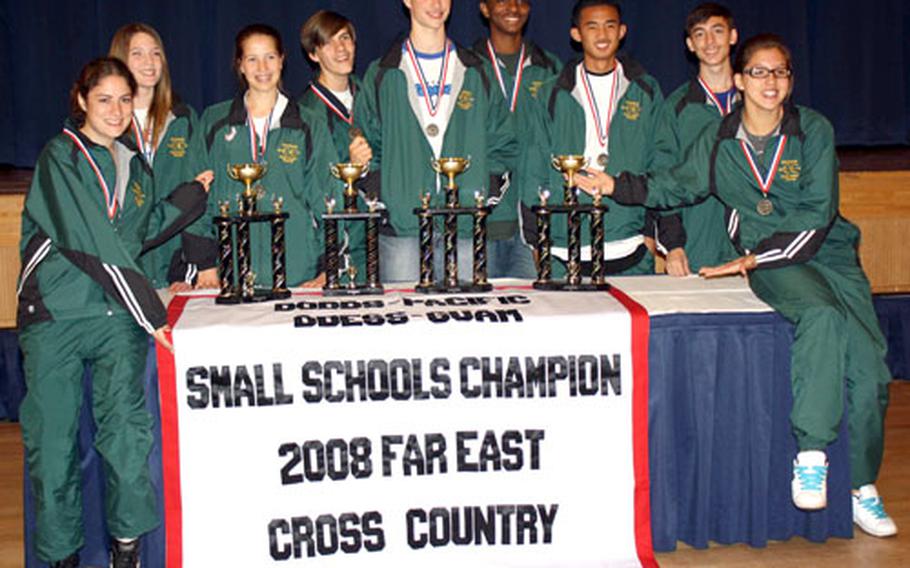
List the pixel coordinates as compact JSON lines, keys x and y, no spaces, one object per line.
{"x":71,"y":561}
{"x":125,"y":554}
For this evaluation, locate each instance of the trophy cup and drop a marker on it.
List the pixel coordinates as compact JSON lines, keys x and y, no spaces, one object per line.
{"x":234,"y":240}
{"x":452,"y":167}
{"x":569,"y":165}
{"x":349,"y":173}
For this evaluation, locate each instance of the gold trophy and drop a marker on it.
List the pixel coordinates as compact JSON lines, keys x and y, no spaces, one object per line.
{"x":349,"y":172}
{"x":450,"y":167}
{"x":248,"y":174}
{"x":569,"y":165}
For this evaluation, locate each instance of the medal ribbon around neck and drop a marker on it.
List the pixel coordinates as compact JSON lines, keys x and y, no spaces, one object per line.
{"x":519,"y":71}
{"x":342,"y":112}
{"x":110,"y":199}
{"x":258,"y":150}
{"x":715,"y":101}
{"x":602,"y":137}
{"x":765,"y":184}
{"x":432,"y":108}
{"x":145,"y":144}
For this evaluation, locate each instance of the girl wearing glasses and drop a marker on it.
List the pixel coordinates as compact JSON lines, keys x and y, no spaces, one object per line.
{"x":774,"y":167}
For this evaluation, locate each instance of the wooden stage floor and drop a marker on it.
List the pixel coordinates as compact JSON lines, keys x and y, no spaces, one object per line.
{"x":861,"y":552}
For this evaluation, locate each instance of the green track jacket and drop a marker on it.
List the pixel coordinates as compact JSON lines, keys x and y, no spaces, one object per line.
{"x":699,"y":228}
{"x":299,"y":153}
{"x":560,"y":129}
{"x":480,"y":127}
{"x":171,"y":166}
{"x":539,"y":67}
{"x":803,"y":190}
{"x":76,"y":261}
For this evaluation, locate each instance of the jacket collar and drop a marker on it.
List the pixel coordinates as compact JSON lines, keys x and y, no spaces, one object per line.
{"x":789,"y":123}
{"x":290,"y":118}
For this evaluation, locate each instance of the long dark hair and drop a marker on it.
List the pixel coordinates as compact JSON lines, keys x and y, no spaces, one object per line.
{"x":92,"y":74}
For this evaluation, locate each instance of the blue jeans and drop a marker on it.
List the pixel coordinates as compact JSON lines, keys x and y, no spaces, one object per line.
{"x":510,"y":258}
{"x":399,"y":259}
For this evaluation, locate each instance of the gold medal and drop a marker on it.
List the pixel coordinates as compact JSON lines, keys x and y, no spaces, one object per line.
{"x":432,"y":130}
{"x":764,"y":207}
{"x":603,"y":160}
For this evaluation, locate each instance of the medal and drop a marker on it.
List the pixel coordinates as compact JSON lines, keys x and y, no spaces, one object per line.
{"x":602,"y":135}
{"x":764,"y":206}
{"x":603,"y":160}
{"x":432,"y":107}
{"x":519,"y":71}
{"x":110,"y":199}
{"x":354,"y":132}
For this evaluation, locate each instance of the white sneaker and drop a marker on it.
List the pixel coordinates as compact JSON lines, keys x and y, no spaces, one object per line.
{"x":869,"y":512}
{"x":810,"y":480}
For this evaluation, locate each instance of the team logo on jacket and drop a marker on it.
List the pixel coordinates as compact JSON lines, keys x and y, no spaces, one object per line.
{"x":631,"y":110}
{"x":465,"y":100}
{"x":138,"y":194}
{"x":288,"y":152}
{"x":789,"y":170}
{"x":176,"y":146}
{"x":534,"y":87}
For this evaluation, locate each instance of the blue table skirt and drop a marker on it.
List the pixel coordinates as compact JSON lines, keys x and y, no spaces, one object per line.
{"x":894,"y":316}
{"x":720,"y":439}
{"x":720,"y":442}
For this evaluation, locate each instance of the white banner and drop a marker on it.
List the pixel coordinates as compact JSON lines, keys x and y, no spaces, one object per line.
{"x":406,"y":430}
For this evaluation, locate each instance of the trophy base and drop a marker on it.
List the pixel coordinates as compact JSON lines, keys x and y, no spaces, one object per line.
{"x":259,"y":295}
{"x":461,"y":288}
{"x":362,"y":290}
{"x":563,"y":286}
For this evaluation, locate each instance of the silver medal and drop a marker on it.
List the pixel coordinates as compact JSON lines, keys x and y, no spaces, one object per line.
{"x":432,"y":130}
{"x":603,"y":160}
{"x":764,"y":207}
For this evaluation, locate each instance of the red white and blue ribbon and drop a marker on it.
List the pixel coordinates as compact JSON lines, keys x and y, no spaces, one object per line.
{"x":432,"y":107}
{"x":343,"y":113}
{"x":602,"y":135}
{"x":519,"y":71}
{"x":724,"y":111}
{"x":110,"y":198}
{"x":765,"y":183}
{"x":146,"y":148}
{"x":258,"y":150}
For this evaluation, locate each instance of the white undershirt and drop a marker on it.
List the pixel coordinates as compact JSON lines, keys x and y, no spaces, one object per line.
{"x":432,"y":67}
{"x":601,"y":85}
{"x":344,"y":97}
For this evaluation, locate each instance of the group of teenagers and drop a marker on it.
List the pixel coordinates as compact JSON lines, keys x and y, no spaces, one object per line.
{"x":724,"y":176}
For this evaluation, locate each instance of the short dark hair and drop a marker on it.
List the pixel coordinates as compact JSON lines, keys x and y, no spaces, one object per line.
{"x":92,"y":74}
{"x":757,"y":43}
{"x":705,"y":11}
{"x":582,"y":4}
{"x":321,"y":27}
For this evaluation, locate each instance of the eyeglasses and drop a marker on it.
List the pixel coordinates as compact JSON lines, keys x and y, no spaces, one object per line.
{"x":762,"y":72}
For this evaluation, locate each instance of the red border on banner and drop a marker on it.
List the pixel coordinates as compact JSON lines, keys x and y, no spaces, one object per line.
{"x":170,"y":442}
{"x":641,"y":331}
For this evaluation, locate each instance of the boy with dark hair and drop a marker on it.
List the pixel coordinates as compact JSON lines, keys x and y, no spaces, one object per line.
{"x":329,"y":41}
{"x":520,"y":67}
{"x":696,"y":236}
{"x":605,"y":108}
{"x":427,"y":98}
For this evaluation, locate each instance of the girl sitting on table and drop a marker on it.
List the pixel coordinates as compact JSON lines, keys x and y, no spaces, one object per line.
{"x":161,"y":128}
{"x":774,"y":167}
{"x":262,"y":124}
{"x":84,"y":300}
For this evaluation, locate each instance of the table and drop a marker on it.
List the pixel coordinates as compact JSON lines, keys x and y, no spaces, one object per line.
{"x":720,"y":442}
